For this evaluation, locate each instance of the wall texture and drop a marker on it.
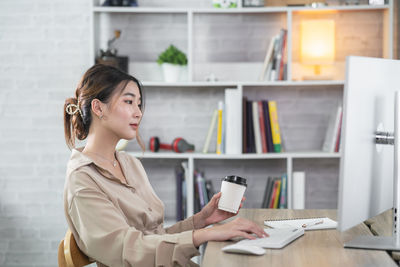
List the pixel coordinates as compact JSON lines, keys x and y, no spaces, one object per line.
{"x":43,"y":52}
{"x":44,"y":49}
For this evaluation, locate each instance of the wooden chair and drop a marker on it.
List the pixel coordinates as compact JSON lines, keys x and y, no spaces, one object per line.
{"x":69,"y":254}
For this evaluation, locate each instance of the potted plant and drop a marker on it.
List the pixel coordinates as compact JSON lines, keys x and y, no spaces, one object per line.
{"x":172,"y":61}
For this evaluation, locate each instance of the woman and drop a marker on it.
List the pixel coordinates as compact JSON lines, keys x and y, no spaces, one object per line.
{"x":110,"y":206}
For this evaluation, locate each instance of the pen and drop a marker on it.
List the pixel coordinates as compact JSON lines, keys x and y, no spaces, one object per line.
{"x":312,"y":223}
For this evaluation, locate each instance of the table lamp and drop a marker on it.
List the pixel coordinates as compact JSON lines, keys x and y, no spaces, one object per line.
{"x":317,"y":45}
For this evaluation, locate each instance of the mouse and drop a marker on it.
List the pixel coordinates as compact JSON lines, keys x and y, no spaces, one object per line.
{"x":244,"y":249}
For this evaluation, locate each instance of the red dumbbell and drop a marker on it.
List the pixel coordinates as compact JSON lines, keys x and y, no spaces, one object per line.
{"x":179,"y":145}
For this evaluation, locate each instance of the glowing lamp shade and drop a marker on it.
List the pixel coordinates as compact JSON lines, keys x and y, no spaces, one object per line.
{"x":317,"y":44}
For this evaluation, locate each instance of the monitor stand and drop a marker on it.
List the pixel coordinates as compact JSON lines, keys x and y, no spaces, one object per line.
{"x":386,"y":242}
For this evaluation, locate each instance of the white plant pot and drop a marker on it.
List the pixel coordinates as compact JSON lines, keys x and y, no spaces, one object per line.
{"x":171,"y":72}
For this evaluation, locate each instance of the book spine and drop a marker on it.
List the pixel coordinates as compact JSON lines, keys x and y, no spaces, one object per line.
{"x":336,"y":129}
{"x":282,"y":202}
{"x":273,"y":195}
{"x":337,"y":144}
{"x":283,"y":57}
{"x":256,"y":128}
{"x":268,"y":133}
{"x":267,"y":59}
{"x":179,"y":196}
{"x":250,"y":133}
{"x":273,"y":116}
{"x":219,"y":129}
{"x":200,"y":189}
{"x":244,"y":126}
{"x":299,"y":190}
{"x":233,"y":133}
{"x":210,"y":131}
{"x":265,"y":196}
{"x":278,"y":192}
{"x":262,"y":127}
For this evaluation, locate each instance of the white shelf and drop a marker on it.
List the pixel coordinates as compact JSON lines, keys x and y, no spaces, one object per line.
{"x":228,"y":83}
{"x":102,"y":9}
{"x":250,"y":156}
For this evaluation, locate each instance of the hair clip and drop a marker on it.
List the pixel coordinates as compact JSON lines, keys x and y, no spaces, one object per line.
{"x":71,"y":111}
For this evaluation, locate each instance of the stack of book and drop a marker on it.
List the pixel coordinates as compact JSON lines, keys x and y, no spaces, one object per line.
{"x":275,"y":194}
{"x":274,"y":67}
{"x":261,"y":133}
{"x":226,"y":124}
{"x":257,"y":132}
{"x":202,"y":195}
{"x":203,"y":191}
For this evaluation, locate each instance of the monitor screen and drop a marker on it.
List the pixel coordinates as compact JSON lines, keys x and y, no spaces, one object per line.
{"x":366,"y":168}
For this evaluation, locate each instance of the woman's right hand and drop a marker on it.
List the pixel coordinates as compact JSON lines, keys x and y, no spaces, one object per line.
{"x":238,"y":227}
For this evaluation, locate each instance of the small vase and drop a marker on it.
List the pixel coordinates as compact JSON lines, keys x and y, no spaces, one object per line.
{"x":171,"y":72}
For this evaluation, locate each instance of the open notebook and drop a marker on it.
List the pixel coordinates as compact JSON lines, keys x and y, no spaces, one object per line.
{"x":278,"y":238}
{"x":306,"y":224}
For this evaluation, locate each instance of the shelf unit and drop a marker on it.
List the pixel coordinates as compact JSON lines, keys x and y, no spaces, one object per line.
{"x":198,"y":31}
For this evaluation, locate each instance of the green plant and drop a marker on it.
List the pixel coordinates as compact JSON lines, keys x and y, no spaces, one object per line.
{"x":172,"y":55}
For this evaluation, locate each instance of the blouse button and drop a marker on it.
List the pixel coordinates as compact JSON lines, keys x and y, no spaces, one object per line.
{"x":133,"y":190}
{"x":150,"y":209}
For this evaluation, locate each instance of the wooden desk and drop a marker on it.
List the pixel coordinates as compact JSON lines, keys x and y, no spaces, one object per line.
{"x":315,"y":248}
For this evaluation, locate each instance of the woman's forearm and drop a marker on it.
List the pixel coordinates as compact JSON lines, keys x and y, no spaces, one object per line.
{"x":200,"y":236}
{"x":198,"y":221}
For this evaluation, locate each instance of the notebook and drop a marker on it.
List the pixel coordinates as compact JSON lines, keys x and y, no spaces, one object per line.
{"x":306,"y":224}
{"x":278,"y":238}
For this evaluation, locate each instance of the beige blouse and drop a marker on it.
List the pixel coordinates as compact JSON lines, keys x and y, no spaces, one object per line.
{"x":120,"y":224}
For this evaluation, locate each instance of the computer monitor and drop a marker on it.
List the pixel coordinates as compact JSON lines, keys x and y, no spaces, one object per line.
{"x":367,"y":186}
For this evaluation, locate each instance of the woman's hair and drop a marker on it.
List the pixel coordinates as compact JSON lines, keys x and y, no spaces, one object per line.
{"x":99,"y":82}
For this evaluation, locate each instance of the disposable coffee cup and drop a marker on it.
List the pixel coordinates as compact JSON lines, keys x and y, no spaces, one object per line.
{"x":232,"y":191}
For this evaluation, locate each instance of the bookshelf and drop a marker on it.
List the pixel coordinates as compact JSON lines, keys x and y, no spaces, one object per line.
{"x":231,"y":43}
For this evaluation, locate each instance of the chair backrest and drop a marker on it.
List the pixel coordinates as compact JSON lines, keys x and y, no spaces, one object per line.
{"x":69,"y":254}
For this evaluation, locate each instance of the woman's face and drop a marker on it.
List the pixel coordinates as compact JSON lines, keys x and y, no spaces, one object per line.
{"x":123,"y":113}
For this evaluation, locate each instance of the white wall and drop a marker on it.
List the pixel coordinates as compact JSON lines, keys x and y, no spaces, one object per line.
{"x":43,"y":53}
{"x":44,"y":49}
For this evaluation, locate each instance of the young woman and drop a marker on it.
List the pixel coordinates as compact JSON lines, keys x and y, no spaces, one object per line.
{"x":110,"y":206}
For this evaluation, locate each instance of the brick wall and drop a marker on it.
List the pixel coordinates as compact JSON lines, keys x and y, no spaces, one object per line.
{"x":43,"y":52}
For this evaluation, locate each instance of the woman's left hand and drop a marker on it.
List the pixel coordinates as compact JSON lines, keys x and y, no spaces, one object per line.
{"x":210,"y":214}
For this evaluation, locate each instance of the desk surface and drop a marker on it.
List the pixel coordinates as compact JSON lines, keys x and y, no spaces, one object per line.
{"x":315,"y":248}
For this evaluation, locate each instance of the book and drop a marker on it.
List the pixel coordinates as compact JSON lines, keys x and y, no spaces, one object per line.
{"x":233,"y":133}
{"x":298,"y":190}
{"x":332,"y":131}
{"x":271,"y":192}
{"x":179,"y":175}
{"x":276,"y":59}
{"x":251,"y":147}
{"x":337,"y":145}
{"x":209,"y":189}
{"x":244,"y":125}
{"x":267,"y":123}
{"x":283,"y":195}
{"x":283,"y":55}
{"x":274,"y":193}
{"x":219,"y":128}
{"x":256,"y":128}
{"x":278,"y":193}
{"x":267,"y":190}
{"x":185,"y":168}
{"x":262,"y":127}
{"x":317,"y":223}
{"x":267,"y":59}
{"x":210,"y":131}
{"x":278,"y":238}
{"x":273,"y":116}
{"x":199,"y":188}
